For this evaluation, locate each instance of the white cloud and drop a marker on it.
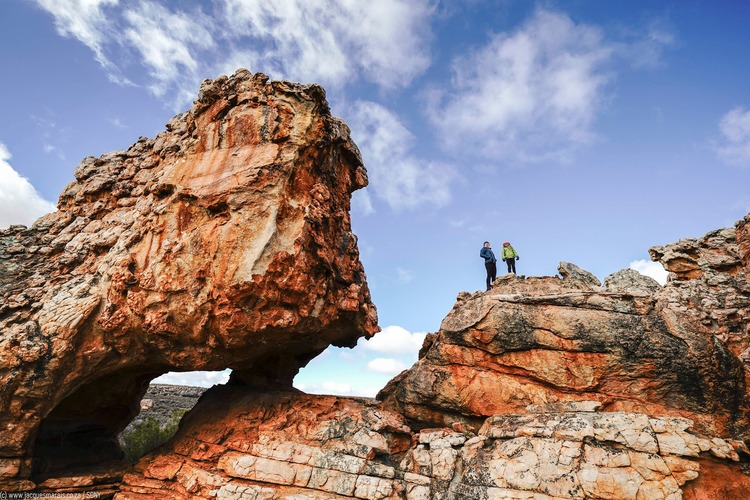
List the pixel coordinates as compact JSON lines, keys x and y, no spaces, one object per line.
{"x":334,"y":41}
{"x":394,"y":340}
{"x":396,"y":175}
{"x":645,"y":48}
{"x":387,"y":366}
{"x":193,"y":379}
{"x":337,"y":389}
{"x":81,"y":19}
{"x":526,"y":96}
{"x":168,"y":43}
{"x":117,"y":123}
{"x":19,"y":201}
{"x":734,"y":146}
{"x":652,"y":269}
{"x":51,"y":149}
{"x":362,"y":202}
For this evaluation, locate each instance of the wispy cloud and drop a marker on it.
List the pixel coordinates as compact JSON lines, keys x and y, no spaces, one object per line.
{"x":88,"y":21}
{"x":54,"y":137}
{"x":336,"y":41}
{"x":528,"y":95}
{"x":734,"y":145}
{"x":405,"y":276}
{"x":117,"y":123}
{"x":644,"y":48}
{"x":19,"y":201}
{"x":52,"y":149}
{"x":168,"y":44}
{"x":397,"y":176}
{"x":333,"y":43}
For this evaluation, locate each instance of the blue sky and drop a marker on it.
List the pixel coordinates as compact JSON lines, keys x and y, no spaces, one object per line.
{"x":579,"y":130}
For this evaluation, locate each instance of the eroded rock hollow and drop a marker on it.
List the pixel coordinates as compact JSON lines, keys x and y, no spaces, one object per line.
{"x":225,"y":242}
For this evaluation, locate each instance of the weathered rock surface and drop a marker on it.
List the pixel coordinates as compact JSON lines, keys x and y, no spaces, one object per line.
{"x":293,"y":446}
{"x":574,"y":275}
{"x":632,"y":282}
{"x":677,"y":352}
{"x":543,"y":388}
{"x":225,"y":242}
{"x":709,"y":285}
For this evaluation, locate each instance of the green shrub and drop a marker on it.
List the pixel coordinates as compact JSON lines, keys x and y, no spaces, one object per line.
{"x":149,"y":434}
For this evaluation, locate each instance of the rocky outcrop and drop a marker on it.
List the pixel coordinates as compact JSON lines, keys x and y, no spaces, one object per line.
{"x":544,"y":387}
{"x":709,"y":287}
{"x":225,"y":242}
{"x":538,"y":340}
{"x":292,"y":445}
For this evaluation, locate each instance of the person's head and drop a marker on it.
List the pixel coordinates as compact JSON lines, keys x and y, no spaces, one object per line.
{"x":487,"y":244}
{"x":506,"y":243}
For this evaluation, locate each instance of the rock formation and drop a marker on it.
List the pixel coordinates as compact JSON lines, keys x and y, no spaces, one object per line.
{"x":239,"y":444}
{"x":544,"y":388}
{"x":225,"y":242}
{"x":541,"y":340}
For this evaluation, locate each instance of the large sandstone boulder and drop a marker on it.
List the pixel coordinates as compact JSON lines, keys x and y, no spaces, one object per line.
{"x":225,"y":242}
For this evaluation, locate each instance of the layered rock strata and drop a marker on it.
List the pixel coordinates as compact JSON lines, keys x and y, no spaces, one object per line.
{"x":293,"y":446}
{"x":225,"y":242}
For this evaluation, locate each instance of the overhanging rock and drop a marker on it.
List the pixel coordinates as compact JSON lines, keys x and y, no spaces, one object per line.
{"x":225,"y":242}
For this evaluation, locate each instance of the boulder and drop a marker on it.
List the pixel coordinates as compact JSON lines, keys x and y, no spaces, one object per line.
{"x":575,"y":275}
{"x":631,"y":281}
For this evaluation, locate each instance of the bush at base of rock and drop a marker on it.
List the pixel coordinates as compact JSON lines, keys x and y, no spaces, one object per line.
{"x":148,"y":435}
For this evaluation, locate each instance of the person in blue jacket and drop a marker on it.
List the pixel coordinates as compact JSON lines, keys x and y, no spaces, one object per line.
{"x":490,"y":263}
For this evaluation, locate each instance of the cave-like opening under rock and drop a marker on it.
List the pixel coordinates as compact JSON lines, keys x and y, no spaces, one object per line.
{"x":80,"y":434}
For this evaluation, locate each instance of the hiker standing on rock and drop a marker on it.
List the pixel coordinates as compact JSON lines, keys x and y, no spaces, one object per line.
{"x":490,"y":263}
{"x":510,"y":256}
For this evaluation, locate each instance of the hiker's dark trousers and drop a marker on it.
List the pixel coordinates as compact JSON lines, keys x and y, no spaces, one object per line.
{"x":491,"y":273}
{"x":511,"y":265}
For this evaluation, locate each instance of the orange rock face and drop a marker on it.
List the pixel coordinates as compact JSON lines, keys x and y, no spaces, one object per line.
{"x":226,"y":243}
{"x":223,"y":243}
{"x":679,"y":351}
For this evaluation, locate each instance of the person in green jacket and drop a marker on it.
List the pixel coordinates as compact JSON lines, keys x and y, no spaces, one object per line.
{"x":510,"y":256}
